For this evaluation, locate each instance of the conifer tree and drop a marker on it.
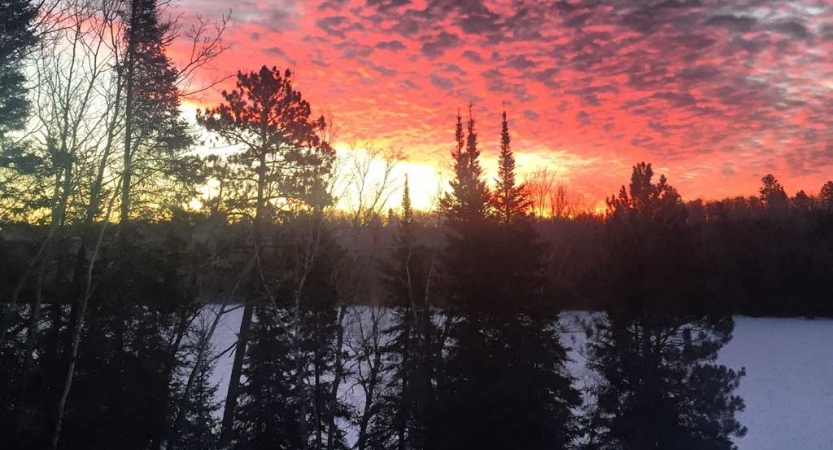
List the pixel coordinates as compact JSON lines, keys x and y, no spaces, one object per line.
{"x":286,"y":401}
{"x":773,"y":194}
{"x":501,"y":382}
{"x":283,"y":153}
{"x":268,"y":413}
{"x":154,"y":132}
{"x":200,"y":428}
{"x":409,"y":353}
{"x":510,"y":200}
{"x":16,"y":37}
{"x":655,"y":347}
{"x":802,"y":202}
{"x":283,"y":150}
{"x":826,"y":195}
{"x":468,"y":200}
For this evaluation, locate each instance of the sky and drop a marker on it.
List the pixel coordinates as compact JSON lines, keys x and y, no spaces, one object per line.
{"x":714,"y":93}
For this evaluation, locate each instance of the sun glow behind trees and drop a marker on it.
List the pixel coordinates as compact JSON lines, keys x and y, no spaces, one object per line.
{"x":428,"y":179}
{"x":293,"y":228}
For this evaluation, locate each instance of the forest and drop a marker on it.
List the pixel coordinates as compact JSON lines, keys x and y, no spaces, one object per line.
{"x":122,"y":248}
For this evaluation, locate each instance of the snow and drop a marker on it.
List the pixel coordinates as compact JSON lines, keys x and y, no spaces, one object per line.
{"x":788,"y":388}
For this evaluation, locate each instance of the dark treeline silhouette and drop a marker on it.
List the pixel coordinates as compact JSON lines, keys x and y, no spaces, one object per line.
{"x":123,"y":256}
{"x":763,"y":255}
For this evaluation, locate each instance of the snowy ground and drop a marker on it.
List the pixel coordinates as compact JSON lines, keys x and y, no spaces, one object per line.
{"x":788,"y":389}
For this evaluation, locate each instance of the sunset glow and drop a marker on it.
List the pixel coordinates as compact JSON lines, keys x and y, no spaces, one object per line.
{"x":715,"y":94}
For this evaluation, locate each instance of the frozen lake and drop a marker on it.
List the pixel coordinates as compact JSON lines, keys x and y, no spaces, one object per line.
{"x":788,"y":388}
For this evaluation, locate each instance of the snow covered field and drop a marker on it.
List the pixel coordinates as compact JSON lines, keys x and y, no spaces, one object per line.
{"x":788,"y":388}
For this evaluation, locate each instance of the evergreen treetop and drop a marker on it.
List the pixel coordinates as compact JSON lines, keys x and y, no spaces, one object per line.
{"x":772,"y":193}
{"x":510,"y":201}
{"x":282,"y":141}
{"x":468,"y":200}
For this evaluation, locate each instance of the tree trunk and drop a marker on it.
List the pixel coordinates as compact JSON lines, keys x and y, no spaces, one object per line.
{"x":205,"y":341}
{"x":77,"y":328}
{"x":124,"y":216}
{"x":31,"y":338}
{"x":236,"y":372}
{"x":331,"y":426}
{"x":373,"y":379}
{"x":405,"y":395}
{"x":168,"y":370}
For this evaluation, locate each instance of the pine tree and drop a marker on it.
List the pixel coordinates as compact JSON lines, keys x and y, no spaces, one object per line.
{"x":510,"y":201}
{"x":282,"y":142}
{"x":773,"y":194}
{"x":826,"y":195}
{"x":285,"y":155}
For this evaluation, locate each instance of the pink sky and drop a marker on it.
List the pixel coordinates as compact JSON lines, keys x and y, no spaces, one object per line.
{"x":714,"y":93}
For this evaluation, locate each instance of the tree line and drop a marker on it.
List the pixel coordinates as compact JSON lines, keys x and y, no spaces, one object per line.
{"x":763,"y":255}
{"x":445,"y":325}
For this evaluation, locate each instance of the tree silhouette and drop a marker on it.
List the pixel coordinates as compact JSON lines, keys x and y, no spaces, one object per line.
{"x":469,"y":197}
{"x":826,"y":195}
{"x":510,"y":201}
{"x":655,"y":347}
{"x":802,"y":201}
{"x":283,"y":154}
{"x":282,"y":148}
{"x":502,"y":382}
{"x":772,"y":193}
{"x":285,"y":401}
{"x":153,"y":128}
{"x":17,"y":165}
{"x":16,"y":29}
{"x":411,"y":349}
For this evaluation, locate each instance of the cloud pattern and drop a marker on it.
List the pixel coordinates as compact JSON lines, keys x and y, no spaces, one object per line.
{"x":715,"y":93}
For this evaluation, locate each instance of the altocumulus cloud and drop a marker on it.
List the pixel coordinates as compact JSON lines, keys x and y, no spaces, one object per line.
{"x":745,"y":83}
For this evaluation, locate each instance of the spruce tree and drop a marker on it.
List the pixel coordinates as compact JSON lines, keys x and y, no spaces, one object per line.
{"x":409,"y":353}
{"x":154,"y":133}
{"x":501,"y":382}
{"x":16,"y":38}
{"x":285,"y":401}
{"x":17,"y":163}
{"x":468,"y":200}
{"x":510,"y":200}
{"x":267,"y":416}
{"x":200,"y":427}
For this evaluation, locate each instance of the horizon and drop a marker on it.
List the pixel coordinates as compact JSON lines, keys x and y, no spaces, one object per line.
{"x":714,"y":96}
{"x":416,"y":224}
